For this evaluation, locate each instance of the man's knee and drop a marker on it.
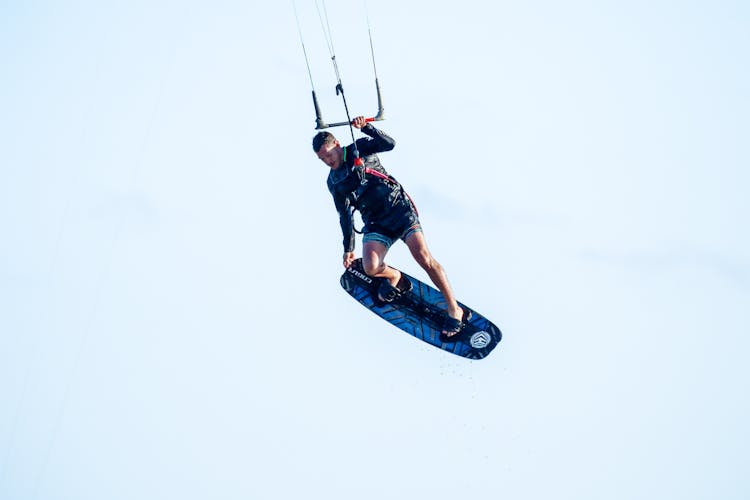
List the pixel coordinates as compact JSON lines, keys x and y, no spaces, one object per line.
{"x":373,"y":266}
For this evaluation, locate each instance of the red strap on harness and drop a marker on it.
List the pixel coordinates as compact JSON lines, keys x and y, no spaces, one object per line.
{"x":379,"y":175}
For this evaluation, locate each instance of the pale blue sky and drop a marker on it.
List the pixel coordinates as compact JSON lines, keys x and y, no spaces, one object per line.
{"x":171,"y":323}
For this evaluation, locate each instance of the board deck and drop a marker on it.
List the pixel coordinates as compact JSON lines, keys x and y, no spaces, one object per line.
{"x":420,"y":313}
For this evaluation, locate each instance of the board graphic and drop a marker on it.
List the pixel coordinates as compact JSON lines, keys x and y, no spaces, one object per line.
{"x":421,"y":312}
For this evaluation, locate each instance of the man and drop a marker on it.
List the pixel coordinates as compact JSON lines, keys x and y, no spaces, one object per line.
{"x":387,"y":211}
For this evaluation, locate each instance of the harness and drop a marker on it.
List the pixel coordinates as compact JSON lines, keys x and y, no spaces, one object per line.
{"x":388,"y":178}
{"x":380,"y":175}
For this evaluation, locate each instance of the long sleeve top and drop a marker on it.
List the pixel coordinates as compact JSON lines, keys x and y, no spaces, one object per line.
{"x":356,"y":188}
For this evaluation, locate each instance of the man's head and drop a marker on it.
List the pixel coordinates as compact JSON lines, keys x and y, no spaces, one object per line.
{"x":328,"y":149}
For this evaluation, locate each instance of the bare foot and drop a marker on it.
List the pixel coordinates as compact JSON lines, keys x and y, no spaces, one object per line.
{"x":458,"y":314}
{"x":390,"y":293}
{"x":394,"y":281}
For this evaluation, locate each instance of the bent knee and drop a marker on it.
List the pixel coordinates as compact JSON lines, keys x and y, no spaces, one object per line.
{"x":373,"y":267}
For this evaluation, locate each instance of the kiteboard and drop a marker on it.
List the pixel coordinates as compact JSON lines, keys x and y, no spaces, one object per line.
{"x":420,"y":312}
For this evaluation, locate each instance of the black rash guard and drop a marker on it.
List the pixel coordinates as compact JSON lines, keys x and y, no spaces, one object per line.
{"x":380,"y":199}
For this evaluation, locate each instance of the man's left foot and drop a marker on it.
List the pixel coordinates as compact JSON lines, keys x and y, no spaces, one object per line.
{"x":455,"y":321}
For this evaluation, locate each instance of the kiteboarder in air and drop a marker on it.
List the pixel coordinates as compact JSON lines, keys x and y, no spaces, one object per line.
{"x":387,"y":211}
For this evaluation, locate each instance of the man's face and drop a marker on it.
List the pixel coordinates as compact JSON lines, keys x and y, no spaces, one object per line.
{"x":331,"y":154}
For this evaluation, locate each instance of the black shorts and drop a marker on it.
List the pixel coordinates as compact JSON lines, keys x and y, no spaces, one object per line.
{"x":399,"y":222}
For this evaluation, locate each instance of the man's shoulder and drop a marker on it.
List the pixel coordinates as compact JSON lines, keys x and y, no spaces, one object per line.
{"x":343,"y":171}
{"x":335,"y":176}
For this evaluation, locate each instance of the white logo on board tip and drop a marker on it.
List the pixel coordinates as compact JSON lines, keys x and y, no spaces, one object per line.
{"x":480,"y":340}
{"x":359,"y":275}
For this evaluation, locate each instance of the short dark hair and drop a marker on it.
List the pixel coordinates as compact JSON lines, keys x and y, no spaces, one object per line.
{"x":320,"y":139}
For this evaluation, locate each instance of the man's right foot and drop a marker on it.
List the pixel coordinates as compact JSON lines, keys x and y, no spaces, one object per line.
{"x":387,"y":292}
{"x":390,"y":289}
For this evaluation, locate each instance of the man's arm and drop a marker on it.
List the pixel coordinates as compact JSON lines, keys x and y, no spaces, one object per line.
{"x":343,"y":207}
{"x":377,"y":142}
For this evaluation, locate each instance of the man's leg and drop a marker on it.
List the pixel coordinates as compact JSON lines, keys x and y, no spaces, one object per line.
{"x":373,"y":255}
{"x":418,"y":248}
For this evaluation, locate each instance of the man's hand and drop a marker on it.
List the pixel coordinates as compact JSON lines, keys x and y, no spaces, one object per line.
{"x":348,"y":259}
{"x":359,"y":122}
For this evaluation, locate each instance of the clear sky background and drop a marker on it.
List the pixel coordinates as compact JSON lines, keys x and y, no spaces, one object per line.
{"x":171,"y":322}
